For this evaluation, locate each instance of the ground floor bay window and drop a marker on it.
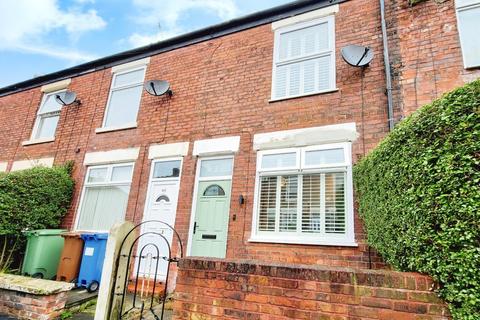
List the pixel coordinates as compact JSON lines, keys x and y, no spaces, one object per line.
{"x":304,"y":195}
{"x":105,"y":196}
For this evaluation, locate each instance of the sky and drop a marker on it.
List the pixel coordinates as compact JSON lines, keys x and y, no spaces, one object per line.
{"x":42,"y":36}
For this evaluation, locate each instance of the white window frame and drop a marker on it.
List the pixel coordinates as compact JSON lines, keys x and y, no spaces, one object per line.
{"x":160,"y":160}
{"x":41,"y":115}
{"x":331,"y":52}
{"x":465,"y":5}
{"x":347,"y":239}
{"x":280,"y":151}
{"x":108,"y":182}
{"x":113,"y":89}
{"x":199,"y":179}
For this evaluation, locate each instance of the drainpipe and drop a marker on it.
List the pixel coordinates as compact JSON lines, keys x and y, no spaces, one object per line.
{"x":388,"y":74}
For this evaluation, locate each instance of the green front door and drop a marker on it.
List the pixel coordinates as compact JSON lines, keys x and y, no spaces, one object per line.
{"x":211,"y":219}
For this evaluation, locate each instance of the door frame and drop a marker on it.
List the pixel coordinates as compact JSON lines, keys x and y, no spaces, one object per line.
{"x":151,"y":180}
{"x":148,"y":196}
{"x":195,"y":194}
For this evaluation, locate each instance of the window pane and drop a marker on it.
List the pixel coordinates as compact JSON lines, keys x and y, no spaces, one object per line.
{"x":311,"y":203}
{"x":324,"y":73}
{"x":129,"y":78}
{"x":302,"y":42}
{"x":294,"y":84}
{"x":214,"y":191}
{"x":322,"y":157}
{"x":97,"y":175}
{"x":315,"y":73}
{"x":288,"y":203}
{"x":281,"y":81}
{"x":47,"y":127}
{"x":123,"y":173}
{"x":335,"y":203}
{"x":102,"y":207}
{"x":123,"y":106}
{"x":279,"y":160}
{"x":167,"y":169}
{"x":50,"y":104}
{"x":216,"y":168}
{"x":267,"y":204}
{"x":468,"y":27}
{"x":309,"y":70}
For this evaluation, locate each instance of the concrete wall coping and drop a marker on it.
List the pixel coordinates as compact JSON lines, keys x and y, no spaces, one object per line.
{"x":344,"y":275}
{"x":33,"y":286}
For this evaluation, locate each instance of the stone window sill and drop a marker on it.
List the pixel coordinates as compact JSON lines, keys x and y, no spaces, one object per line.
{"x":38,"y":141}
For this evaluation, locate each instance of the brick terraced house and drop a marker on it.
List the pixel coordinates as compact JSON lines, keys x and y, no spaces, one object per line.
{"x":252,"y":155}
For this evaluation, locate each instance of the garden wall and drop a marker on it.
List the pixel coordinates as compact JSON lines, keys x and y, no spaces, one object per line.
{"x":35,"y":299}
{"x":234,"y":289}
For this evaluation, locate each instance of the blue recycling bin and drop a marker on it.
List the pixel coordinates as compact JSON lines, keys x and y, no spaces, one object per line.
{"x":92,"y":260}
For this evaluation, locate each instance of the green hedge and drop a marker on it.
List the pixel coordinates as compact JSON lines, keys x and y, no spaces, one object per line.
{"x":419,"y":197}
{"x":36,"y":198}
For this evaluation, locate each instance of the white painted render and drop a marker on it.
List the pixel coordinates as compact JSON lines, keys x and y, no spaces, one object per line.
{"x":30,"y":163}
{"x":130,"y":65}
{"x":55,"y":86}
{"x":3,"y":166}
{"x":168,"y":150}
{"x":305,"y":137}
{"x":112,"y":156}
{"x":323,"y":12}
{"x":219,"y":146}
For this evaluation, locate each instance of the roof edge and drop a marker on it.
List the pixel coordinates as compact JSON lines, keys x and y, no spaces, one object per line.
{"x":194,"y":37}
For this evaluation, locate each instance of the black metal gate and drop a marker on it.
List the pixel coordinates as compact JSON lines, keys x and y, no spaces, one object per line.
{"x":127,"y":303}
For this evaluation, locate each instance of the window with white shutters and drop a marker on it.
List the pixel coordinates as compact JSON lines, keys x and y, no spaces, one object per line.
{"x":304,"y":195}
{"x":304,"y":59}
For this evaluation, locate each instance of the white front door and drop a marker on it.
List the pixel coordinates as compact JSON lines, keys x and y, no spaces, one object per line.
{"x":161,"y":205}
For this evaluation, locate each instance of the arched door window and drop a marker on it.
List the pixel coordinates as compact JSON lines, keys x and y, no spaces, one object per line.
{"x":162,"y":198}
{"x":214,"y":190}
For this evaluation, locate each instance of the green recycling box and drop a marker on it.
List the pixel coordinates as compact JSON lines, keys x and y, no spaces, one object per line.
{"x":42,"y":256}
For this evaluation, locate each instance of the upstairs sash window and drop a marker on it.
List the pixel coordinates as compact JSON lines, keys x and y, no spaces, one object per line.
{"x":124,"y":99}
{"x":304,"y":59}
{"x":47,"y":117}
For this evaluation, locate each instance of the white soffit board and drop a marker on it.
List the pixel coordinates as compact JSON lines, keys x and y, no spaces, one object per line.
{"x":323,"y":12}
{"x":219,"y":146}
{"x":168,"y":150}
{"x":30,"y":163}
{"x":3,"y":166}
{"x":55,"y":86}
{"x":131,"y":65}
{"x":305,"y":137}
{"x":112,"y":156}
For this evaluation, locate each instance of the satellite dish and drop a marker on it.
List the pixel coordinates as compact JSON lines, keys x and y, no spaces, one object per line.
{"x":158,"y":87}
{"x":66,"y":98}
{"x":357,"y":56}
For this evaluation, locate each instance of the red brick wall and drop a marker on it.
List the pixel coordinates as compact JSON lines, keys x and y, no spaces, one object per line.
{"x":30,"y":306}
{"x":215,"y":289}
{"x":222,"y":88}
{"x":425,"y":52}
